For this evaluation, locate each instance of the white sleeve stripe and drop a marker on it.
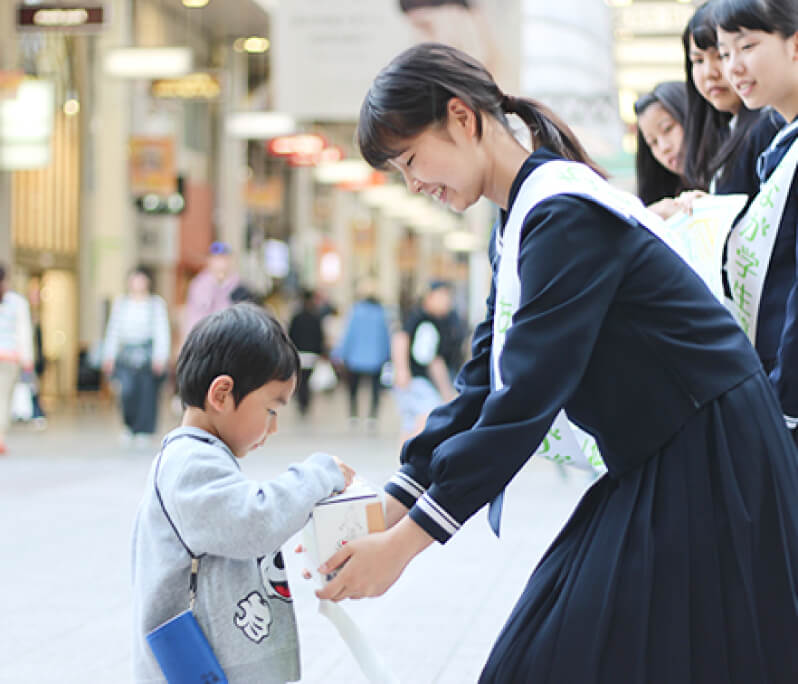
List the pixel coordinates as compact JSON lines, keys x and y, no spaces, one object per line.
{"x":439,"y":516}
{"x":792,"y":423}
{"x":408,"y":484}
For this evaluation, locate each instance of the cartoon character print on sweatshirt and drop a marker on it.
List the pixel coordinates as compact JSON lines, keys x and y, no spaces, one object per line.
{"x":272,"y":570}
{"x":253,"y":617}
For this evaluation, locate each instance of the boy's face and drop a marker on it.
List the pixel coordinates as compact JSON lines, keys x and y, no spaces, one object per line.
{"x":245,"y":427}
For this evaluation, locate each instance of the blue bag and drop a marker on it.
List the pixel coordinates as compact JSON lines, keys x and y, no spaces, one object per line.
{"x":179,"y":645}
{"x":183,"y":652}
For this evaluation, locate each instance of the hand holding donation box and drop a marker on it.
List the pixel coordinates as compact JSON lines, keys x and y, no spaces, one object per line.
{"x":699,"y":238}
{"x":338,"y":519}
{"x":354,"y":513}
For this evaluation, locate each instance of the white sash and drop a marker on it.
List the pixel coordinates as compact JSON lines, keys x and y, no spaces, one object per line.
{"x":750,"y":245}
{"x":565,"y":442}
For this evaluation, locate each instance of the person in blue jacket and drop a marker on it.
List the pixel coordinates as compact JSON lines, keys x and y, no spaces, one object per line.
{"x":364,"y":347}
{"x":758,"y":42}
{"x":681,"y":563}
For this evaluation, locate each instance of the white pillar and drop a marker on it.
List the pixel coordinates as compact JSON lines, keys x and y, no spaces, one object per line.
{"x":231,"y":213}
{"x":108,"y":245}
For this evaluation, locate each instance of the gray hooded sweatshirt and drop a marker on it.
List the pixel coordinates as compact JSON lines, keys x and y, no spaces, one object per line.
{"x":243,"y":601}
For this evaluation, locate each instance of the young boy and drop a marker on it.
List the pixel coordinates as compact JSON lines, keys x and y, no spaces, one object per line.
{"x":235,"y":370}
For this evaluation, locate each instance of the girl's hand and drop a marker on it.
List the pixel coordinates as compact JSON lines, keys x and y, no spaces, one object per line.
{"x":346,"y":471}
{"x":687,"y":198}
{"x":665,"y":208}
{"x":369,"y":566}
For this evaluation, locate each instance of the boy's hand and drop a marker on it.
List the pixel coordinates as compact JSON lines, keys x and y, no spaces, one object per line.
{"x":346,"y":471}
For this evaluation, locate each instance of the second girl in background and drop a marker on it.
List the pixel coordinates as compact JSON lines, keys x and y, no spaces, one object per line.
{"x":758,"y":42}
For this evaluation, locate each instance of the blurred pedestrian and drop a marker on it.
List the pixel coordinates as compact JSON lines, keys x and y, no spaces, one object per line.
{"x":16,"y":348}
{"x":364,"y":348}
{"x":306,"y":333}
{"x":454,"y":335}
{"x":135,"y":352}
{"x":661,"y":120}
{"x":421,"y":377}
{"x":212,"y":288}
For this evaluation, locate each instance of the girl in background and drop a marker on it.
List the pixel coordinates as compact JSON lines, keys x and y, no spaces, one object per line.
{"x":136,"y":351}
{"x":661,"y":119}
{"x":758,"y":43}
{"x":723,"y":138}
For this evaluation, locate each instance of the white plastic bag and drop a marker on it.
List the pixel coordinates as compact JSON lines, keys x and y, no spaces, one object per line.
{"x":323,"y":377}
{"x":22,"y":402}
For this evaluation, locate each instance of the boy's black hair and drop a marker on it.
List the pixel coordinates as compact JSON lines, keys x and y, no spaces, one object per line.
{"x":243,"y":341}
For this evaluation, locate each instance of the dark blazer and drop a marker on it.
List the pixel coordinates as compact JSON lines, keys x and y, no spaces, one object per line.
{"x":777,"y":327}
{"x":612,"y":325}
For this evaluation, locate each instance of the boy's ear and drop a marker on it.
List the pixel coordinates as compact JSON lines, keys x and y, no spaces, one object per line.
{"x":220,"y":391}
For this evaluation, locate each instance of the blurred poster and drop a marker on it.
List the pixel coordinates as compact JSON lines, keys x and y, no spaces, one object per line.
{"x":462,"y":24}
{"x":152,"y":165}
{"x":326,"y":54}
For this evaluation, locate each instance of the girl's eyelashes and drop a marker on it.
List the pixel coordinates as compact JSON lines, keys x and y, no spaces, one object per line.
{"x":410,"y":160}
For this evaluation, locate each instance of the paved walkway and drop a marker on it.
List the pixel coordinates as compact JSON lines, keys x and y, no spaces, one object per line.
{"x":67,"y":501}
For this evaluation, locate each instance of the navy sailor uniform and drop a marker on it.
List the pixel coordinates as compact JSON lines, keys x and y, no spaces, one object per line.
{"x":681,"y":563}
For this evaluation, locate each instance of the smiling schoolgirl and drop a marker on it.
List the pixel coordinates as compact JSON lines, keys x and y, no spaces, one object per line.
{"x":758,"y":42}
{"x":679,"y":564}
{"x":723,"y":138}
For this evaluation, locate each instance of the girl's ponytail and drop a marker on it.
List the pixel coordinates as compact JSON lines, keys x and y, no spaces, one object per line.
{"x":549,"y":130}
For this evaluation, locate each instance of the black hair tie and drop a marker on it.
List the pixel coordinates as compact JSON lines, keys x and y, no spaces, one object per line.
{"x":508,"y":104}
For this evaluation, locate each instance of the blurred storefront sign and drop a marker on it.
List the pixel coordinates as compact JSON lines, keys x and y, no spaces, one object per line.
{"x":304,"y":149}
{"x":152,"y":166}
{"x":61,"y":17}
{"x":26,"y":125}
{"x":158,"y":239}
{"x":9,"y":82}
{"x":197,"y":86}
{"x":258,"y":125}
{"x":265,"y":196}
{"x":144,"y":62}
{"x":327,"y":53}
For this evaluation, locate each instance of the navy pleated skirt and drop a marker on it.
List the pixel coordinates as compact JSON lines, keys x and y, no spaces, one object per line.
{"x":681,"y":571}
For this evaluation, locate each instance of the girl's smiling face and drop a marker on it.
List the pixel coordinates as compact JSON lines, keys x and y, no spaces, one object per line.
{"x":663,"y":135}
{"x":706,"y":68}
{"x":443,"y":162}
{"x":762,"y":67}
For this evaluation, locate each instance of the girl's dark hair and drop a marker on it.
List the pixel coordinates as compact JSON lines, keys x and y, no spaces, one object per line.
{"x":140,"y":269}
{"x":709,"y":143}
{"x":243,"y":341}
{"x":654,"y":181}
{"x":771,"y":16}
{"x":413,"y":91}
{"x":3,"y":273}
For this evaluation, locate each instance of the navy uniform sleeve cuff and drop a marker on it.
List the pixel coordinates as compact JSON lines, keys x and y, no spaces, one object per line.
{"x":403,"y":487}
{"x":433,"y":519}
